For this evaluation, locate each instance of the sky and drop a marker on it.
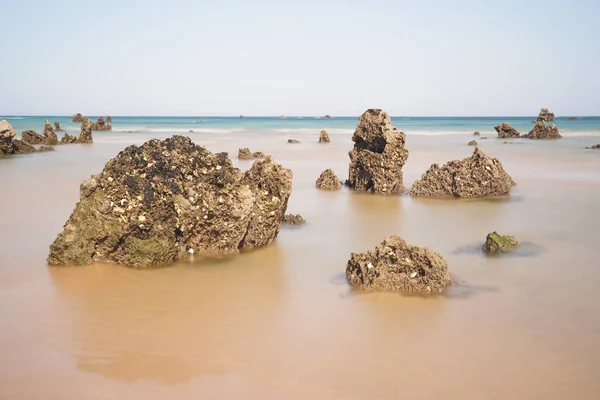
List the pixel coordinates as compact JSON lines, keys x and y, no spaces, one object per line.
{"x":412,"y":58}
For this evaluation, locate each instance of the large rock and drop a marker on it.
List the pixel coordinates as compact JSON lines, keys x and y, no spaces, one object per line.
{"x":324,"y":137}
{"x":77,"y":118}
{"x":328,"y":180}
{"x":50,"y":137}
{"x":475,"y":176}
{"x":168,"y":199}
{"x":541,"y":131}
{"x":594,"y":147}
{"x":32,"y":137}
{"x":101,"y":125}
{"x":57,"y":127}
{"x":397,"y":266}
{"x":496,"y":243}
{"x":9,"y":145}
{"x":545,"y":116}
{"x":505,"y":131}
{"x":378,"y":155}
{"x":85,"y":134}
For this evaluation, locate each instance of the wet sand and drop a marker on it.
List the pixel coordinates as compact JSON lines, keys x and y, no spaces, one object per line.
{"x":281,"y":322}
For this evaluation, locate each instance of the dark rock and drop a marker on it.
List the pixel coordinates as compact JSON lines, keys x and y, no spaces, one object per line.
{"x":378,"y":155}
{"x":476,"y":133}
{"x":32,"y":137}
{"x":169,"y":199}
{"x":573,"y":118}
{"x":326,"y":116}
{"x":45,"y":148}
{"x":292,"y":219}
{"x":85,"y":135}
{"x":293,"y":141}
{"x":77,"y":118}
{"x":242,"y":117}
{"x":328,"y":180}
{"x":50,"y":137}
{"x":108,"y":118}
{"x":324,"y":137}
{"x":483,"y":137}
{"x":472,"y":143}
{"x":595,"y":147}
{"x":472,"y":177}
{"x":245,"y":154}
{"x":495,"y":243}
{"x":101,"y":125}
{"x":57,"y":127}
{"x":505,"y":131}
{"x":541,"y":131}
{"x":545,"y":116}
{"x":396,"y":266}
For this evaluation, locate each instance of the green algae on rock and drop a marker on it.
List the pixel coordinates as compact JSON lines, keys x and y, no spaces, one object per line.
{"x":169,"y":199}
{"x":496,"y":243}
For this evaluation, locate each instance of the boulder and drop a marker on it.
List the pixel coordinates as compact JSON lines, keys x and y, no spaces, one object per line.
{"x":505,"y":131}
{"x":258,"y":154}
{"x":545,"y":116}
{"x":292,"y":219}
{"x":472,"y":143}
{"x":57,"y":127}
{"x":473,"y":177}
{"x":68,"y":139}
{"x":324,"y":137}
{"x":541,"y":131}
{"x":395,"y":265}
{"x":77,"y":118}
{"x":476,"y":133}
{"x":378,"y":155}
{"x":101,"y":125}
{"x":167,"y":200}
{"x":245,"y":154}
{"x":50,"y":137}
{"x":495,"y":243}
{"x":328,"y":180}
{"x":293,"y":141}
{"x":108,"y":118}
{"x":85,"y":135}
{"x":32,"y":137}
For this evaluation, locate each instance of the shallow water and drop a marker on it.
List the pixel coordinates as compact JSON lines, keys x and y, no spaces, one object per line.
{"x":281,"y":322}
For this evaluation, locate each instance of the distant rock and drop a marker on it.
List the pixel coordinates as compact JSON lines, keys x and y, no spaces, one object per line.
{"x":573,"y":118}
{"x":505,"y":131}
{"x":9,"y":145}
{"x":472,"y":143}
{"x":328,"y":180}
{"x":245,"y":154}
{"x":326,"y":116}
{"x":545,"y":116}
{"x":473,"y":177}
{"x":77,"y":118}
{"x":541,"y":131}
{"x":595,"y":147}
{"x":242,"y":117}
{"x":397,"y":266}
{"x":324,"y":137}
{"x":378,"y":155}
{"x":85,"y":135}
{"x":50,"y":137}
{"x":32,"y":137}
{"x":483,"y":137}
{"x":495,"y":243}
{"x":108,"y":118}
{"x":169,"y":200}
{"x":101,"y":125}
{"x":476,"y":133}
{"x":293,"y":141}
{"x":57,"y":127}
{"x":191,"y":131}
{"x":292,"y":219}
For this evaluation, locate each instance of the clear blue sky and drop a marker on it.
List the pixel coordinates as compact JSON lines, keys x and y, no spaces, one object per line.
{"x":224,"y":57}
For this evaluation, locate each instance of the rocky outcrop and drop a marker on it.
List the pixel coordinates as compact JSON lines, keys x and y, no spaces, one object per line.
{"x":50,"y":137}
{"x":57,"y":127}
{"x":327,"y":116}
{"x":472,"y":143}
{"x":541,"y":131}
{"x":378,"y":155}
{"x":294,"y":141}
{"x":167,"y":200}
{"x":245,"y":154}
{"x":108,"y":118}
{"x":495,"y":243}
{"x":77,"y":118}
{"x":545,"y":116}
{"x":324,"y":137}
{"x":101,"y":125}
{"x":85,"y":134}
{"x":32,"y":137}
{"x":9,"y":145}
{"x":293,"y":219}
{"x":505,"y":131}
{"x":472,"y":177}
{"x":476,"y":133}
{"x":328,"y":180}
{"x":68,"y":139}
{"x":395,"y":265}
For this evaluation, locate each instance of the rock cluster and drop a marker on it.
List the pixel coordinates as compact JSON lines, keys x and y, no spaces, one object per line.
{"x":101,"y":125}
{"x":294,"y":141}
{"x":9,"y":145}
{"x":541,"y":131}
{"x":293,"y":219}
{"x":378,"y":155}
{"x":328,"y":180}
{"x":495,"y":243}
{"x":472,"y":143}
{"x":57,"y":127}
{"x":77,"y":117}
{"x":505,"y":131}
{"x":242,"y":117}
{"x":545,"y":116}
{"x":324,"y":137}
{"x":396,"y":266}
{"x":472,"y":177}
{"x":169,"y":199}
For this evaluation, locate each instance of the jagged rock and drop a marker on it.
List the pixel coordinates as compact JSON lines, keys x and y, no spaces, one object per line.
{"x":324,"y":137}
{"x":108,"y":118}
{"x":505,"y":131}
{"x":57,"y":127}
{"x":292,"y":219}
{"x":545,"y":116}
{"x":378,"y":155}
{"x":245,"y":154}
{"x":77,"y":118}
{"x":476,"y":133}
{"x":50,"y":137}
{"x":101,"y":125}
{"x":293,"y":141}
{"x":258,"y":154}
{"x":328,"y":180}
{"x":541,"y":131}
{"x":85,"y":135}
{"x":32,"y":137}
{"x":472,"y":143}
{"x":326,"y":116}
{"x":573,"y":118}
{"x":68,"y":139}
{"x":169,"y":199}
{"x":396,"y":266}
{"x":472,"y":177}
{"x":495,"y":243}
{"x":45,"y":148}
{"x":483,"y":137}
{"x":9,"y":145}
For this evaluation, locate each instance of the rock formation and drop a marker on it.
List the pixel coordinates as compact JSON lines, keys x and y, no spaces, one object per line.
{"x":541,"y":131}
{"x":242,"y":117}
{"x":573,"y":118}
{"x":378,"y":155}
{"x":108,"y":118}
{"x":545,"y":116}
{"x":328,"y":180}
{"x":476,"y":133}
{"x":505,"y":131}
{"x":57,"y":127}
{"x":85,"y":135}
{"x":472,"y":143}
{"x":167,"y":200}
{"x":324,"y":137}
{"x":50,"y":137}
{"x":32,"y":137}
{"x":472,"y":177}
{"x":68,"y":139}
{"x":77,"y":118}
{"x":258,"y":154}
{"x":9,"y":145}
{"x":101,"y":125}
{"x":293,"y":141}
{"x":396,"y":266}
{"x":326,"y":116}
{"x":495,"y":243}
{"x":245,"y":154}
{"x":293,"y":219}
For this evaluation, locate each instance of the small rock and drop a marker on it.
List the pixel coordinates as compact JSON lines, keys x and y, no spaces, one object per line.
{"x":328,"y":180}
{"x":293,"y":141}
{"x":505,"y":131}
{"x":476,"y":133}
{"x":291,"y":219}
{"x":77,"y":117}
{"x":472,"y":143}
{"x":495,"y":243}
{"x":324,"y":137}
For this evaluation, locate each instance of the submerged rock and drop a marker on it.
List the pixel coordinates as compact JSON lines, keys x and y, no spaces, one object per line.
{"x":293,"y":141}
{"x":328,"y":180}
{"x":472,"y":143}
{"x":378,"y":155}
{"x":324,"y":137}
{"x":77,"y":118}
{"x":545,"y":116}
{"x":32,"y":137}
{"x":495,"y":243}
{"x":50,"y":137}
{"x":100,"y":125}
{"x":57,"y":127}
{"x":476,"y":133}
{"x":396,"y":266}
{"x":169,"y":199}
{"x":293,"y":219}
{"x":85,"y":135}
{"x":505,"y":131}
{"x":541,"y":131}
{"x":472,"y":177}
